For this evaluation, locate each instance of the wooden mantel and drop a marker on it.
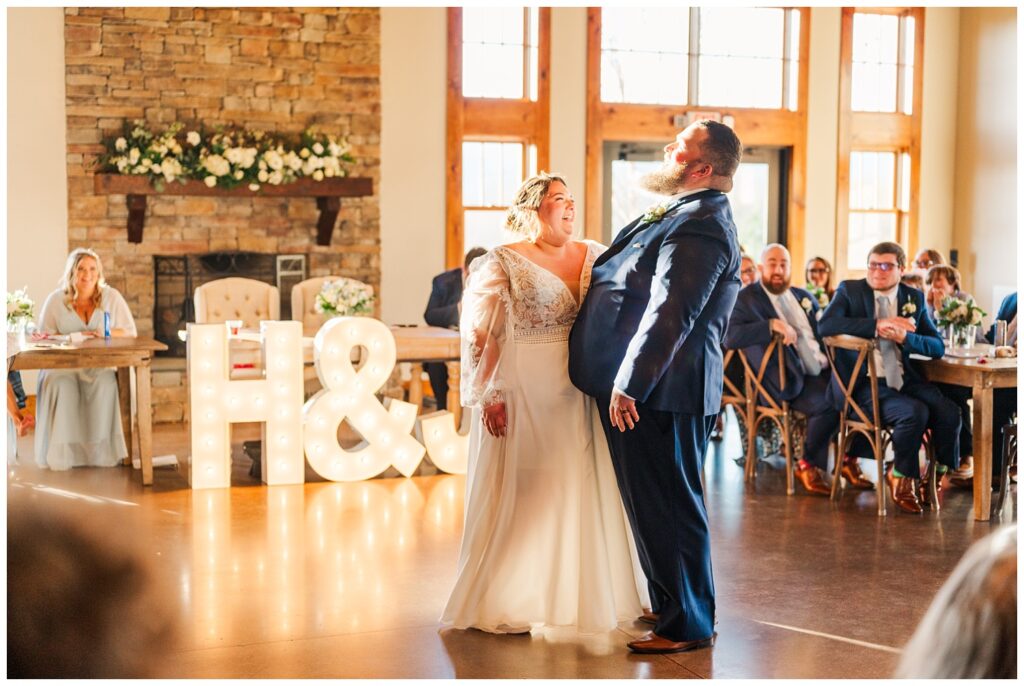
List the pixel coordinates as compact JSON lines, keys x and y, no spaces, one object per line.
{"x":328,"y":194}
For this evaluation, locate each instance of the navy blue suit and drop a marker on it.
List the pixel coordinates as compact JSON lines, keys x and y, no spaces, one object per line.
{"x":918,"y":405}
{"x":750,"y":331}
{"x":652,"y":325}
{"x":443,"y":310}
{"x":1007,"y":311}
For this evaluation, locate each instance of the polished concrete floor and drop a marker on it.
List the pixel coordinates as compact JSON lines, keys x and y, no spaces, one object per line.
{"x":349,"y":579}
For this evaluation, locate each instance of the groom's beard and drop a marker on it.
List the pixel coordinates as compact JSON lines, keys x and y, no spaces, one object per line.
{"x":668,"y":180}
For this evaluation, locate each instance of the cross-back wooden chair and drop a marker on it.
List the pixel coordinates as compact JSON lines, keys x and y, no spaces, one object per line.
{"x":763,"y":406}
{"x":736,"y":395}
{"x":867,"y":422}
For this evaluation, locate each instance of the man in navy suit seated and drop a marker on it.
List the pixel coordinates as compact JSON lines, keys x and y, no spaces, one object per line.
{"x":773,"y":306}
{"x":883,"y":308}
{"x":443,"y":310}
{"x":647,"y":345}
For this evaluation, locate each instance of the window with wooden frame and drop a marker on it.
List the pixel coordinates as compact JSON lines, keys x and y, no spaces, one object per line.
{"x":652,"y":71}
{"x":709,"y":56}
{"x":498,"y":118}
{"x":879,"y":132}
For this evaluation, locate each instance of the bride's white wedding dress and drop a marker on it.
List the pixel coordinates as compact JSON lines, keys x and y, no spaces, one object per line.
{"x":546,"y":541}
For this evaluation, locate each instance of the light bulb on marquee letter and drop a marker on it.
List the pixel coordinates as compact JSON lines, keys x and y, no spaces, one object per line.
{"x":217,"y":402}
{"x":448,"y":449}
{"x":349,"y":394}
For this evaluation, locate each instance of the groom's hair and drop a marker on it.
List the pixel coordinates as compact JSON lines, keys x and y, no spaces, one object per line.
{"x":721,"y":148}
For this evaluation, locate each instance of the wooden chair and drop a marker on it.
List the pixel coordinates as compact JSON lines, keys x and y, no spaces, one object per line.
{"x":1009,"y":459}
{"x":732,"y":394}
{"x":765,"y":407}
{"x":855,"y":419}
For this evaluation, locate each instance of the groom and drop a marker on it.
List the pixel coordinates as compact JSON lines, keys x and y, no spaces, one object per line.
{"x":647,"y":344}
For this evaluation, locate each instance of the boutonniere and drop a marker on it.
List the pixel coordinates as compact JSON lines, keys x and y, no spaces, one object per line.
{"x":655,"y":213}
{"x":806,"y":304}
{"x":908,"y":309}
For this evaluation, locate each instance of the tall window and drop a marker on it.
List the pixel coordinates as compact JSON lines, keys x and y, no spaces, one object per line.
{"x":491,"y":173}
{"x":883,"y":63}
{"x":738,"y":57}
{"x":879,"y":201}
{"x":499,"y":52}
{"x":879,"y":132}
{"x":498,"y":100}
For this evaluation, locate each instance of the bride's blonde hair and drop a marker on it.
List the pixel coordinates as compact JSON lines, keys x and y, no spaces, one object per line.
{"x":522,"y":215}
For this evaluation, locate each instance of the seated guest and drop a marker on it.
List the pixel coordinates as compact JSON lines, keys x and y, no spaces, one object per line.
{"x":1007,"y":313}
{"x":443,"y":310}
{"x":748,"y":270}
{"x":773,"y":306}
{"x":970,"y":629}
{"x":818,"y":276}
{"x":880,"y":307}
{"x":78,"y":420}
{"x":926,"y":259}
{"x":943,"y":282}
{"x":913,"y":280}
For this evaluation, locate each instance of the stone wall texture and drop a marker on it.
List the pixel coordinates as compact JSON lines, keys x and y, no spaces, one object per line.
{"x":275,"y":69}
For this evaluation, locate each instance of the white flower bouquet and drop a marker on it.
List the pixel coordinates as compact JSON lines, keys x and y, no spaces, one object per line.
{"x":819,"y":294}
{"x":20,"y":310}
{"x":344,"y":298}
{"x":226,"y":158}
{"x":959,"y":313}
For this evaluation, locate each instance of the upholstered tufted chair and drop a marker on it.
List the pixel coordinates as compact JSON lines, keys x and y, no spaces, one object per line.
{"x":235,"y":298}
{"x":304,"y":302}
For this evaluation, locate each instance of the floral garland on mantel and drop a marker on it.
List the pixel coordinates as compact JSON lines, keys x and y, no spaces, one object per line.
{"x":225,"y":158}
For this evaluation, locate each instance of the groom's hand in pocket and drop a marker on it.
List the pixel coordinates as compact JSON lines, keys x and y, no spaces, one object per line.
{"x":622,"y":411}
{"x":496,"y":419}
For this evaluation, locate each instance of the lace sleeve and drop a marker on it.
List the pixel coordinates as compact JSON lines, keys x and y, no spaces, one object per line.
{"x":482,"y":324}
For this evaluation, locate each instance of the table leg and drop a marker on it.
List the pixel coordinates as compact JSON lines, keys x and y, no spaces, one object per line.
{"x":454,"y":396}
{"x":124,"y":396}
{"x":982,"y":424}
{"x":142,"y":382}
{"x":416,"y":386}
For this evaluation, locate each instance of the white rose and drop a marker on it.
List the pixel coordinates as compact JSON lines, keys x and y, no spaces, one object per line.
{"x":276,"y":178}
{"x":134,"y":155}
{"x":120,"y":144}
{"x":318,"y":149}
{"x":239,"y":175}
{"x":304,"y":153}
{"x":273,"y":160}
{"x":192,"y":138}
{"x":263,"y":176}
{"x":254,"y":186}
{"x":293,"y":161}
{"x":210,"y":181}
{"x":318,"y":175}
{"x":328,"y":172}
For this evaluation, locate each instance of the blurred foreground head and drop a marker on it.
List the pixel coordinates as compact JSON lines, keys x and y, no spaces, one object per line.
{"x":81,"y":602}
{"x":970,"y":630}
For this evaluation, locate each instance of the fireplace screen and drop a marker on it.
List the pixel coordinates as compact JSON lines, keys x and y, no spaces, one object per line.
{"x":177,"y":277}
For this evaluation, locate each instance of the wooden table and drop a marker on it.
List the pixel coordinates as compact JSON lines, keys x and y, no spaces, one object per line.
{"x":981,"y":378}
{"x":123,"y":353}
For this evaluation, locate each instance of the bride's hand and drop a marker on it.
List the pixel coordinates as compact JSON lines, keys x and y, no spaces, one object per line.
{"x":495,"y":419}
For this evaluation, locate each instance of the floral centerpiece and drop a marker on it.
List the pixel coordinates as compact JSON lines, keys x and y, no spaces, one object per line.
{"x":20,"y":310}
{"x":819,"y":294}
{"x":344,"y":298}
{"x":962,"y":317}
{"x":226,"y":158}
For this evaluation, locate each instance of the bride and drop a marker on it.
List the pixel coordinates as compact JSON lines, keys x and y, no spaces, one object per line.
{"x":546,"y":541}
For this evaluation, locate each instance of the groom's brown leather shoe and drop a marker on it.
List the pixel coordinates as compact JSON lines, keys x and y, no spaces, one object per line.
{"x":648,"y":617}
{"x":652,"y":643}
{"x":812,"y":481}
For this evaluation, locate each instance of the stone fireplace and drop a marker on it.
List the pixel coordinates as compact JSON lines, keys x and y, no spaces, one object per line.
{"x":276,"y":69}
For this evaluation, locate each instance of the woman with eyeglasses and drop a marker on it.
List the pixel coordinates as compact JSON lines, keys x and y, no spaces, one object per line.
{"x":926,"y":259}
{"x":818,"y":273}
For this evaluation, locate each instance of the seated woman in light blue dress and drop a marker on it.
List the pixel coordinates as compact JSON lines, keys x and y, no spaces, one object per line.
{"x":78,"y":421}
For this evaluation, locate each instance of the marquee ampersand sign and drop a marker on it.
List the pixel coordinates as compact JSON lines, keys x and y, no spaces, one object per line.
{"x":348,"y":394}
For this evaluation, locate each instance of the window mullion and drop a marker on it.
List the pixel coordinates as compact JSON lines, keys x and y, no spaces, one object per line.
{"x":693,"y":58}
